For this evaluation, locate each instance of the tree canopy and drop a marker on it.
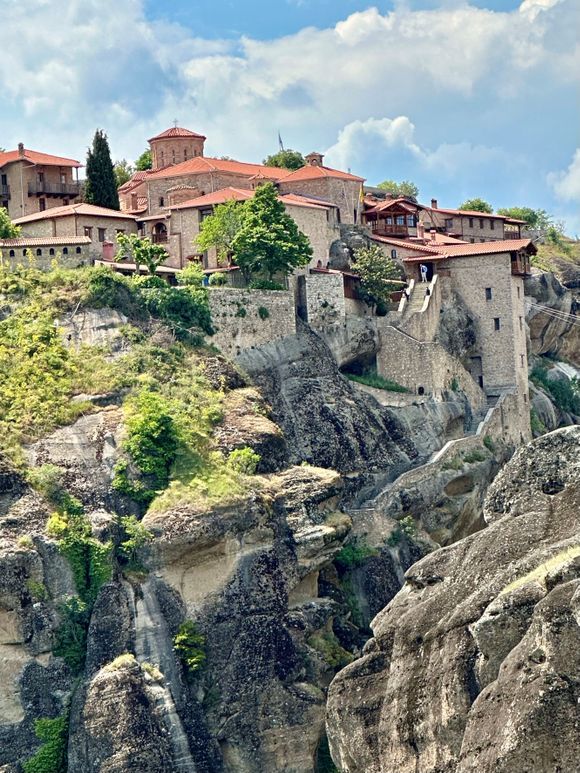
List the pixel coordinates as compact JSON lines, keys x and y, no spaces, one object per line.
{"x":123,"y":171}
{"x":377,"y":272}
{"x":404,"y":188}
{"x":286,"y":159}
{"x":142,"y":251}
{"x":477,"y":205}
{"x":144,"y":161}
{"x":7,"y":229}
{"x":101,"y":184}
{"x":269,"y":242}
{"x":220,"y":229}
{"x":537,"y":219}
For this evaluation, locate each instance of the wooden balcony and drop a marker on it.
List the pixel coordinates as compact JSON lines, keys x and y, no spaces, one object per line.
{"x":382,"y":229}
{"x":520,"y":264}
{"x":159,"y":238}
{"x":4,"y":191}
{"x":42,"y":188}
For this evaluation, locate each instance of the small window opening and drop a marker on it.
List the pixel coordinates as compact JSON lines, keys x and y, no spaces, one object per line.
{"x":496,"y":323}
{"x":488,"y":293}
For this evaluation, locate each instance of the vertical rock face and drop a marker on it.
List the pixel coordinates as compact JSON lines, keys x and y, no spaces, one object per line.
{"x":474,"y":664}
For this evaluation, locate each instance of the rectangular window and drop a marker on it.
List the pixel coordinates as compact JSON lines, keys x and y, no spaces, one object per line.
{"x":525,"y":398}
{"x":88,"y":231}
{"x":492,"y":225}
{"x":521,"y":323}
{"x":481,"y":222}
{"x":400,"y":220}
{"x":41,"y":205}
{"x":449,"y":224}
{"x":101,"y":234}
{"x":411,"y":221}
{"x":471,"y":222}
{"x":496,"y":323}
{"x":488,"y":293}
{"x":120,"y":230}
{"x":4,"y":179}
{"x":518,"y":289}
{"x":472,"y":240}
{"x":389,"y":221}
{"x":522,"y":360}
{"x":161,"y":201}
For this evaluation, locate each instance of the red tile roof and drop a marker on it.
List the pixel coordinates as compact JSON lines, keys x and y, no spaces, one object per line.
{"x":205,"y":165}
{"x":309,"y":172}
{"x":388,"y":203}
{"x":74,"y":209}
{"x":39,"y":241}
{"x":217,"y":197}
{"x":466,"y":213}
{"x":409,"y":245}
{"x":134,"y":182}
{"x":176,"y":131}
{"x":242,"y":194}
{"x":480,"y":248}
{"x":37,"y":158}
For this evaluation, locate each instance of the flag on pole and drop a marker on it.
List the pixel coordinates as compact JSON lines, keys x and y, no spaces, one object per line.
{"x":280,"y":143}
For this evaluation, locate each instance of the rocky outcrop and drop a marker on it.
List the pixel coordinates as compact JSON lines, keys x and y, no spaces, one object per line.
{"x":474,"y":664}
{"x":551,"y":333}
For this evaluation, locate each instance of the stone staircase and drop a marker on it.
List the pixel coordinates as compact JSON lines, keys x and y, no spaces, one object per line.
{"x":417,"y":299}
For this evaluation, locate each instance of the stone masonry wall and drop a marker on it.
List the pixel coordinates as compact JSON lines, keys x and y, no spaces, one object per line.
{"x":416,"y":364}
{"x":20,"y":174}
{"x":245,"y":319}
{"x":344,"y":193}
{"x":463,"y":229}
{"x":72,"y":259}
{"x":74,"y":225}
{"x":423,"y":324}
{"x":325,"y":301}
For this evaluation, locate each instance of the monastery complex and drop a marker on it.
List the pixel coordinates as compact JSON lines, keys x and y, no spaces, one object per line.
{"x":475,"y":259}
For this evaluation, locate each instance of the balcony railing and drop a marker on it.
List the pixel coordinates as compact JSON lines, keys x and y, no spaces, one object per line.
{"x":159,"y":238}
{"x":53,"y":189}
{"x":5,"y":191}
{"x":383,"y":229}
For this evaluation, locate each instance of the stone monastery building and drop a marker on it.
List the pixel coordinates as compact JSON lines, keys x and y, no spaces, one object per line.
{"x":469,"y":259}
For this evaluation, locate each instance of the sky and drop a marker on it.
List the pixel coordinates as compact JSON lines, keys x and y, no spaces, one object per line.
{"x":463,"y":97}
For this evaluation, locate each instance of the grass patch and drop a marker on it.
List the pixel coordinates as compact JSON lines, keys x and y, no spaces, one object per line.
{"x":327,"y":645}
{"x":456,"y":463}
{"x":378,"y":382}
{"x":474,"y":456}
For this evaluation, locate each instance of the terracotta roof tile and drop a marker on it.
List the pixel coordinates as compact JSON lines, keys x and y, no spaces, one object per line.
{"x":466,"y":213}
{"x":205,"y":165}
{"x":176,"y":131}
{"x":217,"y":197}
{"x":74,"y":209}
{"x":309,"y":172}
{"x":37,"y":158}
{"x":479,"y":248}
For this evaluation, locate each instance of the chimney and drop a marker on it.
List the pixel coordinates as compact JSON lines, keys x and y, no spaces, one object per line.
{"x":314,"y":159}
{"x":21,"y":150}
{"x":434,"y":204}
{"x":420,"y":230}
{"x":433,"y":233}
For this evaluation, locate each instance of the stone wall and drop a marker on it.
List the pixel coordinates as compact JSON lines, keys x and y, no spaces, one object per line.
{"x":175,"y":150}
{"x":20,"y":174}
{"x":344,"y":193}
{"x":205,"y":183}
{"x":74,"y":225}
{"x":423,"y":324}
{"x":462,"y":227}
{"x":245,"y":319}
{"x":314,"y":223}
{"x":325,"y":301}
{"x":76,"y":255}
{"x":422,"y":367}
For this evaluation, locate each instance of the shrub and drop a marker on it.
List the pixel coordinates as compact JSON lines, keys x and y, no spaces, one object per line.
{"x":265,"y":284}
{"x":474,"y":456}
{"x":134,"y":537}
{"x":189,"y":645}
{"x":241,"y":310}
{"x":407,"y":526}
{"x":454,"y":384}
{"x":25,"y":541}
{"x":37,"y":590}
{"x":71,"y":636}
{"x":244,"y":460}
{"x":456,"y":463}
{"x":46,"y":479}
{"x":219,"y":279}
{"x":263,"y":312}
{"x":537,"y":425}
{"x":106,"y":288}
{"x":394,"y":537}
{"x":354,"y":554}
{"x":489,"y":444}
{"x":51,"y":757}
{"x":564,"y":393}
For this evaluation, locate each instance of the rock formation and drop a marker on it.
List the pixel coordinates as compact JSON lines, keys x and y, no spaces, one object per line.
{"x":474,"y":664}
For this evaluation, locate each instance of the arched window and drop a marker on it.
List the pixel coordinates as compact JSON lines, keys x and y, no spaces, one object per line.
{"x":51,"y":251}
{"x":24,"y":253}
{"x":393,"y":254}
{"x":421,"y":390}
{"x":79,"y":250}
{"x":11,"y":253}
{"x":65,"y":250}
{"x":39,"y":252}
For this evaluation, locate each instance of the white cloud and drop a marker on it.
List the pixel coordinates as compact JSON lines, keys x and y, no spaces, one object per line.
{"x":566,"y":184}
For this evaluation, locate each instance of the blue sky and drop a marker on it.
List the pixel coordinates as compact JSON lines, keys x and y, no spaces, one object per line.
{"x":464,"y":97}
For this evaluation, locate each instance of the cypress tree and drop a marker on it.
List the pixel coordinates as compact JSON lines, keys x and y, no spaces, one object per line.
{"x":101,"y":184}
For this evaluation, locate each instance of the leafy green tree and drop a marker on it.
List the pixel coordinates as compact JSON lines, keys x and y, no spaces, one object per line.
{"x":269,"y":241}
{"x":220,"y":229}
{"x":101,"y":183}
{"x":123,"y":171}
{"x":286,"y":159}
{"x":477,"y":205}
{"x":142,"y":251}
{"x":404,"y":188}
{"x":144,"y":161}
{"x":378,"y":273}
{"x":7,"y":229}
{"x":537,"y":219}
